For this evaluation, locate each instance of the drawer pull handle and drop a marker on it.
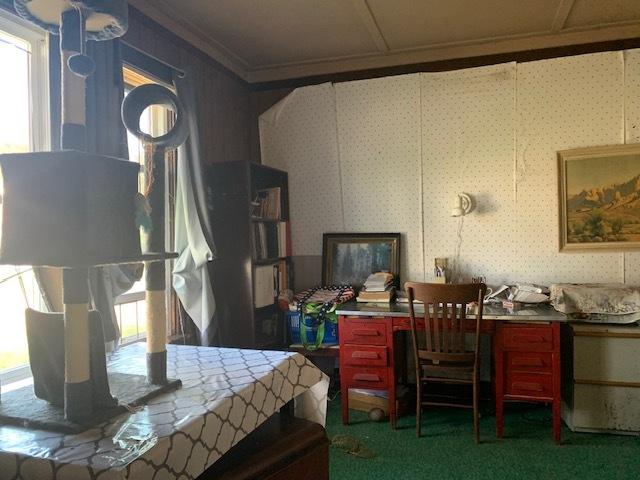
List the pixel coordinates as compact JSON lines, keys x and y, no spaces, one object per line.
{"x":366,"y":333}
{"x":528,"y":362}
{"x":533,"y":387}
{"x":529,"y":338}
{"x":365,"y":355}
{"x":366,"y":377}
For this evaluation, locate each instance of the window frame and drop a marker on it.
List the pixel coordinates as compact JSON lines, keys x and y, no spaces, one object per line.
{"x":39,"y":118}
{"x":39,"y":106}
{"x":134,"y":76}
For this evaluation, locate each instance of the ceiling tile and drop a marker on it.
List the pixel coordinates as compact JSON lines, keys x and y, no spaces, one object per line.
{"x":409,"y":24}
{"x":264,"y":33}
{"x":595,"y":12}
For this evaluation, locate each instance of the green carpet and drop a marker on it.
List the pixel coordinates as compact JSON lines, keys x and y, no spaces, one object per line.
{"x":447,"y":450}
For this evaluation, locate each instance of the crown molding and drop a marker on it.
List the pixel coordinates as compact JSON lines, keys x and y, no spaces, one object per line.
{"x":449,"y":51}
{"x":167,"y":16}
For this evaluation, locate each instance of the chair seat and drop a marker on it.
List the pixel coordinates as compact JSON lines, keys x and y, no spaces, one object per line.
{"x":454,"y":372}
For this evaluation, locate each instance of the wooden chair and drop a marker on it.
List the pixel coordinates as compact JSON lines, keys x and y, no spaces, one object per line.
{"x":444,"y":357}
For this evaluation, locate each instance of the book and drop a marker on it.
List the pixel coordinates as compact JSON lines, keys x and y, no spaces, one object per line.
{"x":283,"y":276}
{"x":270,"y":240}
{"x":264,"y":286}
{"x":284,"y":239}
{"x":375,"y":296}
{"x":378,"y":282}
{"x":266,"y":204}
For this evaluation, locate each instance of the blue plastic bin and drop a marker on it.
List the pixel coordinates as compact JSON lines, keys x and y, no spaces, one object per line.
{"x":330,"y":329}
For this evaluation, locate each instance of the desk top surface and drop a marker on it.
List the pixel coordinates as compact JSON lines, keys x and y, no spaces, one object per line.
{"x":528,"y":313}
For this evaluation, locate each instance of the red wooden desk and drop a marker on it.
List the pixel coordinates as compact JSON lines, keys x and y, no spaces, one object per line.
{"x":526,"y":352}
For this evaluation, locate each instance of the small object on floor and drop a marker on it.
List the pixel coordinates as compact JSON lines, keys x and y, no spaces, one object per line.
{"x":376,"y":414}
{"x":352,"y":446}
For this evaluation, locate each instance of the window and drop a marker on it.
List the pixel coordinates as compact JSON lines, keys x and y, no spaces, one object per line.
{"x":130,"y":307}
{"x":23,"y":93}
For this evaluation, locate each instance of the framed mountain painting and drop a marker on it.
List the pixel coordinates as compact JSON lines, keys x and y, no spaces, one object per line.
{"x":599,"y":190}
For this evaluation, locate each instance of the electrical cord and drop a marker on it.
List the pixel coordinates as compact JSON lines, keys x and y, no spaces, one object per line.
{"x":456,"y":261}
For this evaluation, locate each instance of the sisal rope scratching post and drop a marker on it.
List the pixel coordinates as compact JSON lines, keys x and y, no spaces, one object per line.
{"x":78,"y":395}
{"x":155,"y":272}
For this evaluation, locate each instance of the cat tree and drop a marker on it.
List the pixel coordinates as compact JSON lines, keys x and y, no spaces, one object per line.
{"x":76,"y":210}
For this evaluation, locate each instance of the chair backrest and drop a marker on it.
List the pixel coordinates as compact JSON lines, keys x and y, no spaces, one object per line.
{"x":445,"y":309}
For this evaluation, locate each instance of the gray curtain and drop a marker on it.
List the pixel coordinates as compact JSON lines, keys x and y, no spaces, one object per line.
{"x":193,"y":236}
{"x":106,"y":135}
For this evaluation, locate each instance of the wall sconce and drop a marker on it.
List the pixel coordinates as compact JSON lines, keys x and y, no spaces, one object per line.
{"x":462,"y":205}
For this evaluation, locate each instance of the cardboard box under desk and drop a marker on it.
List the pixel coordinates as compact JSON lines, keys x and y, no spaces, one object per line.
{"x":365,"y":402}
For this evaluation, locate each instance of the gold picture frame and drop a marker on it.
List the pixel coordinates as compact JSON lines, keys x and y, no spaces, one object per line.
{"x":349,"y":258}
{"x":599,"y":198}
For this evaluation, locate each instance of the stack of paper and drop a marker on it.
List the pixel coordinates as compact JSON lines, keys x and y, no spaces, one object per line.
{"x":378,"y":282}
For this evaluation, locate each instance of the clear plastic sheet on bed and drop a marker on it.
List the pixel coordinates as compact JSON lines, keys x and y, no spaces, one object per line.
{"x":226,"y":394}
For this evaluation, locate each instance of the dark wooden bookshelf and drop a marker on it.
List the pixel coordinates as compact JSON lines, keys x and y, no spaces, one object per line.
{"x":232,"y":187}
{"x":267,"y":261}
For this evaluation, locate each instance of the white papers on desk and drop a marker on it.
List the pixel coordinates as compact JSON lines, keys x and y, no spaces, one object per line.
{"x":530,"y":297}
{"x":263,"y":286}
{"x":530,"y":293}
{"x":497,"y":295}
{"x":521,"y":292}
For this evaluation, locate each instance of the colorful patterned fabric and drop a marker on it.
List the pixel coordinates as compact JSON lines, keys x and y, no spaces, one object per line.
{"x":320,"y":304}
{"x":326,"y":294}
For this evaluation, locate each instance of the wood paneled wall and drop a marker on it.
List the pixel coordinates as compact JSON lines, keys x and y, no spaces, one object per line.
{"x":224,"y":114}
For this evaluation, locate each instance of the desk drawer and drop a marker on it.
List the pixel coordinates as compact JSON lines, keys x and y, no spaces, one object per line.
{"x":403,"y":323}
{"x":536,"y":385}
{"x":360,"y":377}
{"x":363,"y":332}
{"x":529,"y":362}
{"x":364,"y":355}
{"x":527,"y":339}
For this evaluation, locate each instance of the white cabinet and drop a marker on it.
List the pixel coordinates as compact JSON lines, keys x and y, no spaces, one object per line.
{"x":601,"y":378}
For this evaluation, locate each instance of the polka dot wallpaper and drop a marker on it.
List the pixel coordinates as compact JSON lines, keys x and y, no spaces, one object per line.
{"x":468,"y":119}
{"x":632,"y":135}
{"x":298,"y":135}
{"x":561,"y":103}
{"x":389,"y":154}
{"x":379,"y":143}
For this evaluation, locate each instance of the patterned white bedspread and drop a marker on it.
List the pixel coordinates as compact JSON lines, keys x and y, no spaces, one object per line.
{"x":226,"y":394}
{"x":597,"y":302}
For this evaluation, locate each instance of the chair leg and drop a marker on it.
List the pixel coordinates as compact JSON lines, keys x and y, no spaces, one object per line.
{"x":418,"y":407}
{"x":476,"y":423}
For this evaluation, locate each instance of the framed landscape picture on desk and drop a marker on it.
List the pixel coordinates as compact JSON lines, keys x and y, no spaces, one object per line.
{"x":599,"y":190}
{"x":349,"y":258}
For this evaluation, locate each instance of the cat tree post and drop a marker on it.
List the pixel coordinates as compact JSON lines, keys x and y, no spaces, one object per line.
{"x":78,"y":395}
{"x":155,"y":279}
{"x":155,"y":274}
